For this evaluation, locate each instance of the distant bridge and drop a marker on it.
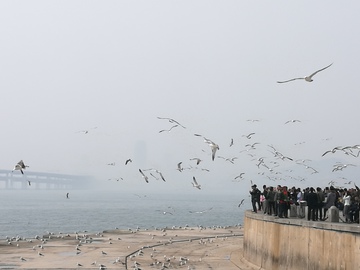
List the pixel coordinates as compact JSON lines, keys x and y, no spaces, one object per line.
{"x":41,"y":180}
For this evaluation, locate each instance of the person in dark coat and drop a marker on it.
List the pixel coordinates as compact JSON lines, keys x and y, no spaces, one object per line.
{"x":255,"y":197}
{"x":312,"y":203}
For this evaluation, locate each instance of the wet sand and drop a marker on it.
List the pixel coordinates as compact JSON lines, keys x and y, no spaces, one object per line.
{"x":169,"y":248}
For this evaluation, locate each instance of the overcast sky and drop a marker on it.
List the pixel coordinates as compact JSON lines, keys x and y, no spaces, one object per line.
{"x":112,"y":67}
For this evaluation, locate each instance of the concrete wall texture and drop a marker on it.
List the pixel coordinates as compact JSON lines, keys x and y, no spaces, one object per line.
{"x":280,"y":243}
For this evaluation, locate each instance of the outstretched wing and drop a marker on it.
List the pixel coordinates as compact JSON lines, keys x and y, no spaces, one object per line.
{"x":320,"y":70}
{"x":290,"y":80}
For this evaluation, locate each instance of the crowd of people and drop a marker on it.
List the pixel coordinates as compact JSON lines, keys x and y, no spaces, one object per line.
{"x":277,"y":201}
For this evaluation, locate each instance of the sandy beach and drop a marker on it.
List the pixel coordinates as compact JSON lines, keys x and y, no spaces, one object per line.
{"x":166,"y":248}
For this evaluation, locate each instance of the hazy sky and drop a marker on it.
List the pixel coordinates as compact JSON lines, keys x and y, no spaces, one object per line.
{"x":70,"y":66}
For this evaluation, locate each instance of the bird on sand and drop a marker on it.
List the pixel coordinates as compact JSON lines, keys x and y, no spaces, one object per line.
{"x":144,"y":176}
{"x":307,"y":78}
{"x":20,"y":166}
{"x":195,"y":183}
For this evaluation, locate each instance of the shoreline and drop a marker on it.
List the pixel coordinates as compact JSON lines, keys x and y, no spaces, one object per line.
{"x":175,"y":248}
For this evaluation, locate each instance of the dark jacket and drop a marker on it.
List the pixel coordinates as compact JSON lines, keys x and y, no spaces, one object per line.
{"x":312,"y":200}
{"x":255,"y":194}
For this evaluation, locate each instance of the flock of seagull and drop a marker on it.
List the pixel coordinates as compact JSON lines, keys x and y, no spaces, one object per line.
{"x":260,"y":162}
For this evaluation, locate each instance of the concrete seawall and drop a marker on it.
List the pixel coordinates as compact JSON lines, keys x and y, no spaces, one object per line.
{"x":291,"y":243}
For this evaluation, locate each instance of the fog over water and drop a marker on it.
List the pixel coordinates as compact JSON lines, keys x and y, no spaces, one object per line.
{"x":83,"y":84}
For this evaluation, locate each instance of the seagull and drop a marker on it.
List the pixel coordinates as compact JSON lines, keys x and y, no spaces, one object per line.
{"x":29,"y":182}
{"x":333,"y":150}
{"x":252,"y":146}
{"x":340,"y":167}
{"x":231,"y":142}
{"x":195,"y":183}
{"x":212,"y":145}
{"x":202,"y":211}
{"x":111,"y":164}
{"x":20,"y":166}
{"x":307,"y":78}
{"x":67,"y":195}
{"x":127,"y":161}
{"x":253,"y":120}
{"x":292,"y":121}
{"x":157,"y":171}
{"x":240,"y":175}
{"x":85,"y":131}
{"x":228,"y":159}
{"x":179,"y":168}
{"x":242,"y":201}
{"x":161,"y":175}
{"x":198,"y":160}
{"x":168,"y":130}
{"x":144,"y":176}
{"x":249,"y":135}
{"x":171,"y":121}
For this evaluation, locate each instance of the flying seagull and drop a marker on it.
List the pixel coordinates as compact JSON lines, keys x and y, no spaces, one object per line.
{"x":231,"y":142}
{"x":168,"y":130}
{"x":127,"y":161}
{"x":307,"y":78}
{"x":179,"y":168}
{"x":20,"y":166}
{"x":195,"y":183}
{"x":171,"y":121}
{"x":157,"y":171}
{"x":292,"y":121}
{"x":242,"y":201}
{"x":249,"y":135}
{"x":198,"y":160}
{"x":240,"y":175}
{"x":202,"y":211}
{"x":85,"y":131}
{"x":212,"y":145}
{"x":144,"y":176}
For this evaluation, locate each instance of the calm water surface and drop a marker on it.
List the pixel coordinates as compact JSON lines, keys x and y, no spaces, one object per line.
{"x":36,"y":212}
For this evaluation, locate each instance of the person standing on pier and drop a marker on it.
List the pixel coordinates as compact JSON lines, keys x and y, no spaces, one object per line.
{"x":255,"y":197}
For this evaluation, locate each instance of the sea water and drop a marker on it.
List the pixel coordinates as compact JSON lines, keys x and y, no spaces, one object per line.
{"x":28,"y":213}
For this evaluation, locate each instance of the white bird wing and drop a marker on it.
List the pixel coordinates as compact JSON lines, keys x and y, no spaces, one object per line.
{"x":162,"y":177}
{"x":291,"y":80}
{"x":21,"y":163}
{"x":145,"y":177}
{"x":179,"y":166}
{"x":319,"y":70}
{"x":214,"y":147}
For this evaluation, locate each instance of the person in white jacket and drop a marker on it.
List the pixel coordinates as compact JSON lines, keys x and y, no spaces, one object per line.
{"x":347,"y":201}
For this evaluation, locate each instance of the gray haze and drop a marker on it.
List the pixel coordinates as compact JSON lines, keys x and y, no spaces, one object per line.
{"x":71,"y":66}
